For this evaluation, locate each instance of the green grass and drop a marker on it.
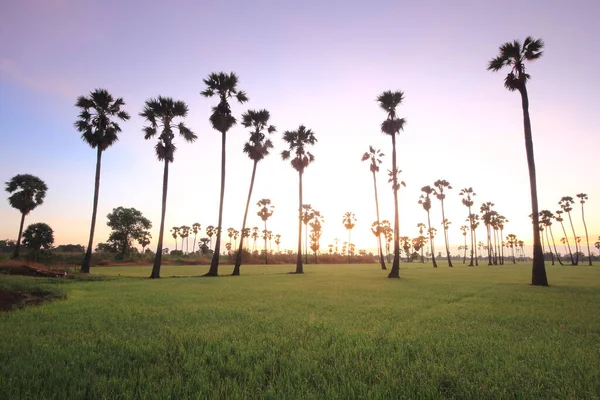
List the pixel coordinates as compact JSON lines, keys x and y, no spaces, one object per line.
{"x":337,"y":331}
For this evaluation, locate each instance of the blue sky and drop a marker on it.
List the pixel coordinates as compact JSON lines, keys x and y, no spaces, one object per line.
{"x":318,"y":63}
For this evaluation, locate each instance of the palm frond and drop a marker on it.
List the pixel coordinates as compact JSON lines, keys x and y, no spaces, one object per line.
{"x":187,"y":133}
{"x":149,"y":132}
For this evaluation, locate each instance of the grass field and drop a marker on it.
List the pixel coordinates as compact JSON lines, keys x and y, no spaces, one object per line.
{"x":337,"y":331}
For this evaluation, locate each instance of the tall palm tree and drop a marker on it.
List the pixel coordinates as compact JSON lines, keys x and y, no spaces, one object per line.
{"x":265,"y":211}
{"x":256,"y":148}
{"x":514,"y":55}
{"x":307,"y":215}
{"x":161,"y":113}
{"x":298,"y":142}
{"x":487,"y":216}
{"x":374,"y":156}
{"x":566,"y":203}
{"x":210,"y":231}
{"x":441,"y":185}
{"x":99,"y":130}
{"x":467,"y":200}
{"x":175,"y":233}
{"x":559,"y":218}
{"x":185,"y":234}
{"x":511,"y":240}
{"x":392,"y":126}
{"x":349,"y":220}
{"x":582,"y":198}
{"x":28,"y":192}
{"x":195,"y":229}
{"x":224,"y":86}
{"x":425,"y":201}
{"x":546,"y":218}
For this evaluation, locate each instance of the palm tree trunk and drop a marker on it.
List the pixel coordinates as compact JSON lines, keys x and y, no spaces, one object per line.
{"x":381,"y":259}
{"x":159,"y":247}
{"x":238,"y":258}
{"x":18,"y":245}
{"x":465,"y":252}
{"x":549,"y":246}
{"x":475,"y":246}
{"x":577,"y":250}
{"x":538,"y":272}
{"x":587,"y":238}
{"x":489,"y":245}
{"x":266,"y":252}
{"x":85,"y":266}
{"x":446,"y":235}
{"x":214,"y":263}
{"x":431,"y":241}
{"x":306,"y":243}
{"x":299,"y":269}
{"x":395,"y":272}
{"x":568,"y":245}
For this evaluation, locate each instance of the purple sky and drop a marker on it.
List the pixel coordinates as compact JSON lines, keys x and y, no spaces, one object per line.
{"x":318,"y":63}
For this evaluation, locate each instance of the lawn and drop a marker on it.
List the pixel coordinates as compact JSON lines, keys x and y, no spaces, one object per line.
{"x":338,"y":331}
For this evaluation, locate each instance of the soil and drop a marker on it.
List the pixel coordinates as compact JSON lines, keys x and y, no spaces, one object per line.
{"x":14,"y":299}
{"x":15,"y":268}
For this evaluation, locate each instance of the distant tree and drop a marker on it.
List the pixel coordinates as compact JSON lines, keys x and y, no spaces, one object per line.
{"x":307,"y":215}
{"x":160,"y":114}
{"x":487,"y":216}
{"x":546,"y":218}
{"x":467,"y":200}
{"x":558,"y":217}
{"x":315,"y":237}
{"x":175,"y":234}
{"x":582,"y":198}
{"x":68,"y":248}
{"x":195,"y":229}
{"x":514,"y":55}
{"x":425,"y":202}
{"x":349,"y":220}
{"x":566,"y":203}
{"x":256,"y":148}
{"x":392,"y":126}
{"x":374,"y":158}
{"x":27,"y":192}
{"x":105,"y":248}
{"x":254,"y":236}
{"x":225,"y":87}
{"x":210,"y":231}
{"x":184,"y":232}
{"x":441,"y":186}
{"x":464,"y":229}
{"x":127,"y":224}
{"x":38,"y":236}
{"x":297,"y":142}
{"x":204,"y":248}
{"x":236,"y":235}
{"x":144,"y":240}
{"x":265,"y":211}
{"x":511,"y":240}
{"x":99,"y":130}
{"x":278,"y":241}
{"x":406,"y":244}
{"x":418,"y":244}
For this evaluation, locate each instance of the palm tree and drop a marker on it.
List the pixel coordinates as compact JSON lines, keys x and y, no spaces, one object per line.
{"x":195,"y":229}
{"x":441,"y":185}
{"x":349,"y":220}
{"x":298,"y":141}
{"x":265,"y":211}
{"x":256,"y":148}
{"x":392,"y":126}
{"x":487,"y":216}
{"x":278,"y":241}
{"x":467,"y":200}
{"x":514,"y":55}
{"x":160,"y":114}
{"x":99,"y":130}
{"x":375,"y":159}
{"x":254,"y":237}
{"x":307,"y":215}
{"x":210,"y":231}
{"x":28,"y":192}
{"x":511,"y":240}
{"x":315,"y":236}
{"x":582,"y":198}
{"x":185,"y":234}
{"x":559,"y":218}
{"x":566,"y":203}
{"x":464,"y":229}
{"x":224,"y":86}
{"x":377,"y":230}
{"x":425,"y":201}
{"x":144,"y":240}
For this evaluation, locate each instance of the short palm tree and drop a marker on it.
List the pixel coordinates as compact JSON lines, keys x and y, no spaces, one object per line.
{"x":298,"y":142}
{"x":514,"y":55}
{"x":224,"y":86}
{"x":582,"y":198}
{"x":441,"y":186}
{"x":425,"y":201}
{"x":161,"y":114}
{"x":27,"y":192}
{"x":96,"y":123}
{"x":256,"y":148}
{"x":265,"y":211}
{"x":392,"y":126}
{"x":374,"y":156}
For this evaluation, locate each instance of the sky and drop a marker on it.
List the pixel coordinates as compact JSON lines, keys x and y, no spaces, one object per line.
{"x":313,"y":62}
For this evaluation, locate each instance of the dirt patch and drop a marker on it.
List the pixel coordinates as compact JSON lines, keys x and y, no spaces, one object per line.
{"x":14,"y":299}
{"x":18,"y":268}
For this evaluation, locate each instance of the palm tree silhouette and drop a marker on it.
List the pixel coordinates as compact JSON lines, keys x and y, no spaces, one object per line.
{"x":160,"y":114}
{"x":99,"y":130}
{"x":210,"y":231}
{"x":254,"y":237}
{"x":511,"y":240}
{"x":175,"y":233}
{"x":425,"y":201}
{"x":265,"y":211}
{"x":467,"y":200}
{"x":582,"y":198}
{"x":487,"y":216}
{"x":297,"y":142}
{"x":307,"y":215}
{"x":195,"y":229}
{"x":514,"y":55}
{"x":349,"y":220}
{"x":185,"y":234}
{"x":278,"y":241}
{"x":374,"y":156}
{"x":566,"y":203}
{"x":392,"y":126}
{"x":558,"y":217}
{"x":224,"y":86}
{"x":546,"y":218}
{"x":256,"y":148}
{"x":441,"y":185}
{"x":464,"y":229}
{"x":144,"y":241}
{"x":28,"y":192}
